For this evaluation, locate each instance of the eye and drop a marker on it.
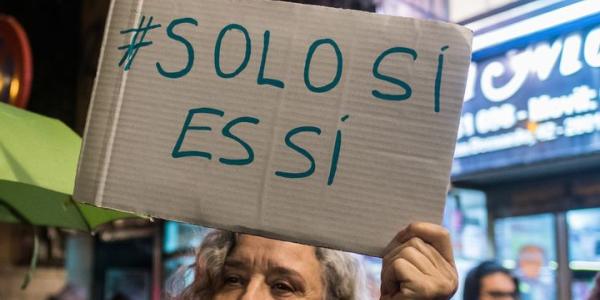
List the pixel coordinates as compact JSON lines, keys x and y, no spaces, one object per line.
{"x":283,"y":287}
{"x":232,"y":279}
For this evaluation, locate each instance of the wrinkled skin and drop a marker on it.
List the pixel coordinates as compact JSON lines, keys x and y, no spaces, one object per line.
{"x":417,"y":264}
{"x":261,"y":268}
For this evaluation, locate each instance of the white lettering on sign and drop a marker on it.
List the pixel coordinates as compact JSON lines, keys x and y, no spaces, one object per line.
{"x":539,"y":59}
{"x":470,"y":88}
{"x":592,"y":48}
{"x":541,"y":125}
{"x":518,"y":64}
{"x":545,"y":57}
{"x":569,"y":61}
{"x":477,"y":145}
{"x":546,"y":132}
{"x":495,"y":118}
{"x":544,"y":107}
{"x":583,"y":124}
{"x":543,"y":117}
{"x":467,"y":126}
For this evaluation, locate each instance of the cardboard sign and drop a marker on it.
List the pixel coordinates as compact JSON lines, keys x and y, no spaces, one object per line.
{"x":311,"y":124}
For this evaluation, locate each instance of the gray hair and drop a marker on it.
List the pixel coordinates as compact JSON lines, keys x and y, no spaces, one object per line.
{"x":343,"y":276}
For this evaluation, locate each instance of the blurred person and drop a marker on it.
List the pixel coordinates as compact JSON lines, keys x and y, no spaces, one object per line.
{"x":537,"y":282}
{"x":531,"y":261}
{"x":418,"y":264}
{"x":490,"y":281}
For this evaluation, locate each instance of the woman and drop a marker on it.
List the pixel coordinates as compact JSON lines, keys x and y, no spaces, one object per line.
{"x":417,"y":264}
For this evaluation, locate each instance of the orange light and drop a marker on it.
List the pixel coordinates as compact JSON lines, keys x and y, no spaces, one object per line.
{"x":532,"y":126}
{"x":1,"y":84}
{"x":13,"y":90}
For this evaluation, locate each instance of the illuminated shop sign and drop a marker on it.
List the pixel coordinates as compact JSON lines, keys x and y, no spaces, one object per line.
{"x":532,"y":104}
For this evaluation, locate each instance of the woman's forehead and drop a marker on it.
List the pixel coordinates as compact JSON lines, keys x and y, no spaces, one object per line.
{"x":253,"y":242}
{"x":252,"y":249}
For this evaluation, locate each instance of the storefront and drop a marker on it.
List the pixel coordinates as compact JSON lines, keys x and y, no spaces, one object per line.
{"x":529,"y":139}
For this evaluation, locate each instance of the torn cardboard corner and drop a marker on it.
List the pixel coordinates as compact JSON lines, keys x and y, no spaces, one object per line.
{"x":324,"y":126}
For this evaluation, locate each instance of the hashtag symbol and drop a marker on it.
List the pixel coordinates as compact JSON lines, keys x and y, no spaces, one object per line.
{"x":136,"y":42}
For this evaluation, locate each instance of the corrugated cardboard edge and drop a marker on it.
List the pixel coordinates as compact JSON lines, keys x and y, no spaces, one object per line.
{"x":100,"y":166}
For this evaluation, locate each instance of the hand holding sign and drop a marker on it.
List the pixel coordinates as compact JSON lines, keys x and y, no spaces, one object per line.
{"x":317,"y":125}
{"x":418,"y":264}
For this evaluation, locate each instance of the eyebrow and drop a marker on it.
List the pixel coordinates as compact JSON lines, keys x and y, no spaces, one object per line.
{"x":284,"y":271}
{"x":235,"y":264}
{"x":273,"y":268}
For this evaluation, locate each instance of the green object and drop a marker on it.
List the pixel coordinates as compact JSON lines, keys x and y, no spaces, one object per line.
{"x":38,"y":163}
